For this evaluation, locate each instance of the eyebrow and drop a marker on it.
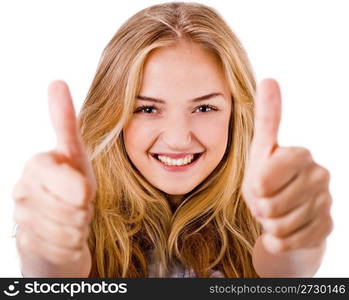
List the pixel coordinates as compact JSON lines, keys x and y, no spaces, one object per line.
{"x":197,"y":99}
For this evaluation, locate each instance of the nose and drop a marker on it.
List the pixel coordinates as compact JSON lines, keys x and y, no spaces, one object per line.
{"x":177,"y":134}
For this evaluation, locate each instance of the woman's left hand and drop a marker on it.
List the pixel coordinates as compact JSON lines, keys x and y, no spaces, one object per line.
{"x":284,"y":188}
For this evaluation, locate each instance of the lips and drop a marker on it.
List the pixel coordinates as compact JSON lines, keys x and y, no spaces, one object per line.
{"x":177,"y":168}
{"x":177,"y":156}
{"x":174,"y":155}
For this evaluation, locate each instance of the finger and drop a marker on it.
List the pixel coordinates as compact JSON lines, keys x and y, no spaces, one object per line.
{"x":279,"y":170}
{"x":34,"y":244}
{"x":304,"y":214}
{"x":63,"y":117}
{"x":311,"y":235}
{"x":267,"y":118}
{"x":50,"y":206}
{"x":293,"y":195}
{"x":288,"y":224}
{"x":56,"y":234}
{"x":19,"y":191}
{"x":67,"y":184}
{"x":57,"y":210}
{"x":62,"y":180}
{"x":69,"y":140}
{"x":311,"y":181}
{"x":64,"y":121}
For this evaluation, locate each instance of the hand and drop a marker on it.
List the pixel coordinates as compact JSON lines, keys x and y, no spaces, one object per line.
{"x":53,"y":206}
{"x":284,"y":188}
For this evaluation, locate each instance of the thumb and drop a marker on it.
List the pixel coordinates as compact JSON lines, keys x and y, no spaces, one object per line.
{"x":267,"y":118}
{"x":62,"y":113}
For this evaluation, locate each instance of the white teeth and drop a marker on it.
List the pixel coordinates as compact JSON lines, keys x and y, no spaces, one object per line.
{"x":176,"y":162}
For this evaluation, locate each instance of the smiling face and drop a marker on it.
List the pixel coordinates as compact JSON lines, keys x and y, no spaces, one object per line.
{"x":183,"y":108}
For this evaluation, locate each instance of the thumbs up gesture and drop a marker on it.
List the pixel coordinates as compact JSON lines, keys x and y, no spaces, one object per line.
{"x":53,"y":206}
{"x":283,"y":187}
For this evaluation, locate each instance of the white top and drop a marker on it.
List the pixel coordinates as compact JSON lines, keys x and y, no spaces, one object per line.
{"x":179,"y":271}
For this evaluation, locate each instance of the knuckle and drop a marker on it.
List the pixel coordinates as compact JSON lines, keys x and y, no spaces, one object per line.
{"x":53,"y":232}
{"x":37,"y":160}
{"x":62,"y":236}
{"x":79,"y":238}
{"x":269,"y":226}
{"x":321,"y":175}
{"x":37,"y":166}
{"x":19,"y":215}
{"x":244,"y":188}
{"x":75,"y":237}
{"x":87,"y":233}
{"x":76,"y":255}
{"x":273,"y":209}
{"x":22,"y":189}
{"x":301,"y":153}
{"x":24,"y":241}
{"x":58,"y":258}
{"x":260,"y":186}
{"x":329,"y":225}
{"x":278,"y":245}
{"x":277,"y":229}
{"x":325,"y":205}
{"x":324,"y":175}
{"x":84,"y":188}
{"x":65,"y":170}
{"x":268,"y":208}
{"x":93,"y":186}
{"x":283,"y":245}
{"x":91,"y":213}
{"x":79,"y":218}
{"x":330,"y":201}
{"x":57,"y":255}
{"x":75,"y":181}
{"x":79,"y":183}
{"x":18,"y":190}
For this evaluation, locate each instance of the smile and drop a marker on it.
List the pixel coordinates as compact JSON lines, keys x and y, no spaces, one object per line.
{"x":176,"y":162}
{"x":181,"y":164}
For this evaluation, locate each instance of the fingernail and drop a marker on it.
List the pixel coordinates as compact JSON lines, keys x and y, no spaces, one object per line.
{"x":255,"y":211}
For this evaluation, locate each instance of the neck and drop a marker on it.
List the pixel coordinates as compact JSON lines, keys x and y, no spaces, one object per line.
{"x":174,"y":201}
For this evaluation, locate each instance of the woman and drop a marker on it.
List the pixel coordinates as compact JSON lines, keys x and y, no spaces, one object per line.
{"x":168,"y":164}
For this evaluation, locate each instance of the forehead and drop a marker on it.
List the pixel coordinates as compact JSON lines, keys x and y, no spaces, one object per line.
{"x":182,"y":68}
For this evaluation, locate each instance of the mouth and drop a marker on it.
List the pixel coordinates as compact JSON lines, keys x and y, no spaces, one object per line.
{"x":170,"y":166}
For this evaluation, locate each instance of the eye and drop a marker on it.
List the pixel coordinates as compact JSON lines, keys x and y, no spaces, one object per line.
{"x":206,"y":108}
{"x":145,"y":108}
{"x":148,"y":109}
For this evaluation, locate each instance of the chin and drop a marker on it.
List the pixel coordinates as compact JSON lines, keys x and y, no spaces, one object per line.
{"x":175,"y":191}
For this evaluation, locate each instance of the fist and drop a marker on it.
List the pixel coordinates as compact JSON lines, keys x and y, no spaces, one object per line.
{"x":283,"y":187}
{"x":53,"y":206}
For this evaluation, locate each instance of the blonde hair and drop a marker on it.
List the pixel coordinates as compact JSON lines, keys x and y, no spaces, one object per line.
{"x":212,"y":228}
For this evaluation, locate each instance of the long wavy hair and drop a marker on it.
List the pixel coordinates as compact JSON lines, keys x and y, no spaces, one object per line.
{"x":212,"y":228}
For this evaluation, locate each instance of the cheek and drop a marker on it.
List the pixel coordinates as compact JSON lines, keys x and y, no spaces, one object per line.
{"x":214,"y":134}
{"x":211,"y":132}
{"x":136,"y":137}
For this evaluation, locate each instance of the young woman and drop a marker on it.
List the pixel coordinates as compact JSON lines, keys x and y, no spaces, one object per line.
{"x":173,"y":166}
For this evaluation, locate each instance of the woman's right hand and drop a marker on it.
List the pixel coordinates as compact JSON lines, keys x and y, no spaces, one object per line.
{"x":53,"y":199}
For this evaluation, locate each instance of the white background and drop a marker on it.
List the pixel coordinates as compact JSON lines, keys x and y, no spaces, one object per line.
{"x":302,"y":44}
